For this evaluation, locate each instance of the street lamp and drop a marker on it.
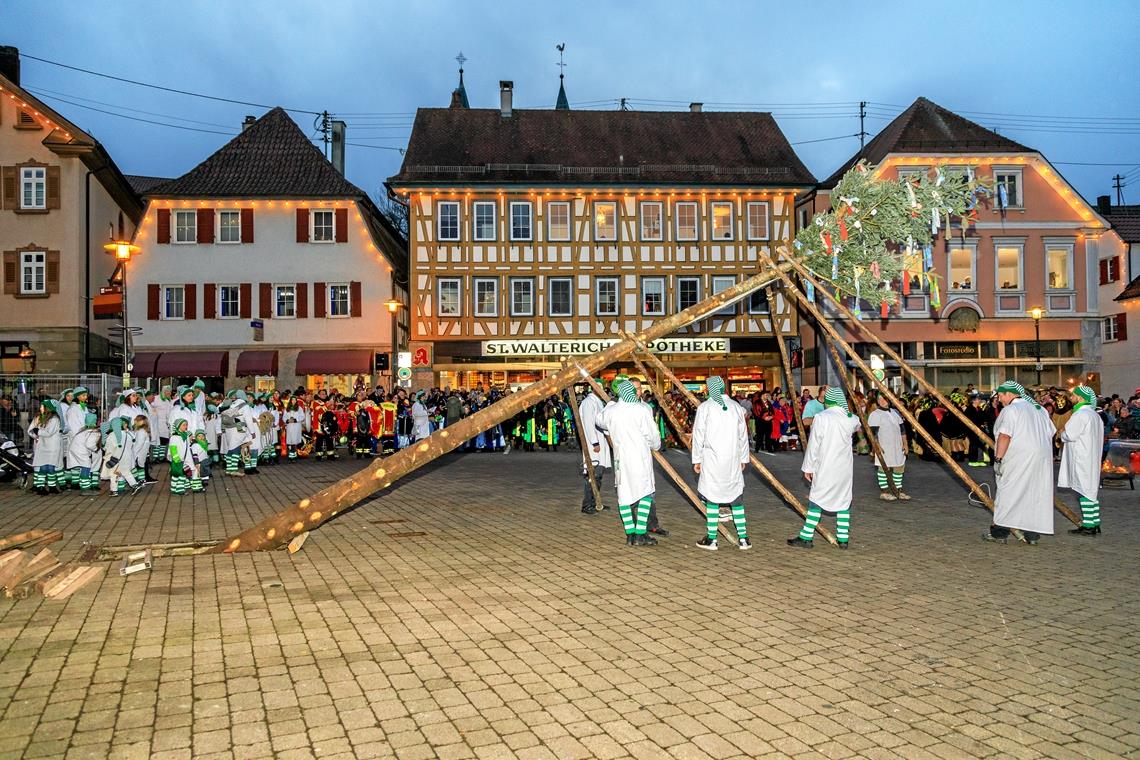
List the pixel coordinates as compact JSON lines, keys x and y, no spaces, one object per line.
{"x":393,"y":308}
{"x":122,"y":250}
{"x":1037,"y":312}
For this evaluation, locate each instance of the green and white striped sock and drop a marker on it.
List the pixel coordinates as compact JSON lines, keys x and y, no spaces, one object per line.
{"x":712,"y":517}
{"x":739,"y":521}
{"x":196,"y":485}
{"x":897,"y":475}
{"x":843,"y":526}
{"x":643,"y":508}
{"x":626,"y":512}
{"x":811,"y":520}
{"x":1090,"y":513}
{"x":881,"y":476}
{"x":232,"y":462}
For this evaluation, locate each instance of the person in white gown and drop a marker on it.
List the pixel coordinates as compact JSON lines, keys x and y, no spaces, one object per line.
{"x":634,"y":436}
{"x":598,"y":448}
{"x":720,"y":453}
{"x":828,"y":465}
{"x":1023,"y":463}
{"x":1083,"y":437}
{"x":886,"y":424}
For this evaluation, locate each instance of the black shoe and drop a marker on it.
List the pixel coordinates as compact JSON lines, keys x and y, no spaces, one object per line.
{"x":744,"y":544}
{"x":589,"y":510}
{"x":842,"y":544}
{"x":991,"y":538}
{"x":629,"y":539}
{"x":1083,"y":531}
{"x":707,"y":543}
{"x":659,"y":531}
{"x":641,"y":539}
{"x":254,"y":471}
{"x":136,"y":489}
{"x":799,"y":543}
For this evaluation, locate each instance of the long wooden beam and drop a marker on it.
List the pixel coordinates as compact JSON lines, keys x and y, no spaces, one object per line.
{"x":789,"y":380}
{"x":585,"y":446}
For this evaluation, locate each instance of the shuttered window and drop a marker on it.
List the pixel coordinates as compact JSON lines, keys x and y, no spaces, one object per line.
{"x":33,"y":272}
{"x":186,"y":226}
{"x":33,"y":187}
{"x":339,"y":301}
{"x":229,"y":226}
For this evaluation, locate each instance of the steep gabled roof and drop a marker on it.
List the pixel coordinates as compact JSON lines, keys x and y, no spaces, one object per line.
{"x":1125,"y":220}
{"x":270,"y":158}
{"x":141,"y":183}
{"x":599,"y":147}
{"x":925,"y":128}
{"x":1132,"y":291}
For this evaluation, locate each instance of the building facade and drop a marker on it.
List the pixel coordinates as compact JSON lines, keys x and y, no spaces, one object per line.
{"x":1036,"y":245}
{"x":61,"y":198}
{"x":1119,"y":277}
{"x":537,"y":235}
{"x":263,"y":265}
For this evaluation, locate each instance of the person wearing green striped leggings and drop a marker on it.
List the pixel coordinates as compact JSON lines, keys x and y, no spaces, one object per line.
{"x":828,"y":465}
{"x":1083,"y":437}
{"x":720,"y":452}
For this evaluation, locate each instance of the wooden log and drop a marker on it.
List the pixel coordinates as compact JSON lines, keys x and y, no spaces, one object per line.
{"x":14,"y":566}
{"x":768,"y":476}
{"x":585,"y":446}
{"x":789,"y":380}
{"x":313,"y":511}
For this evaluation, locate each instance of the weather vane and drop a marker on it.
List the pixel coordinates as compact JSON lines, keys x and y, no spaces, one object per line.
{"x":561,"y":66}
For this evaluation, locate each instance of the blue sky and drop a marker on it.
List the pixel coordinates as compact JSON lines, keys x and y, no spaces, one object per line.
{"x":1056,"y":76}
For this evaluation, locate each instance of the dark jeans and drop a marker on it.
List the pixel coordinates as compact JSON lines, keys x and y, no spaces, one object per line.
{"x":587,"y":492}
{"x":997,"y":531}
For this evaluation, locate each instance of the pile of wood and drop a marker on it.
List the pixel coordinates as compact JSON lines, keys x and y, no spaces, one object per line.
{"x":28,"y":567}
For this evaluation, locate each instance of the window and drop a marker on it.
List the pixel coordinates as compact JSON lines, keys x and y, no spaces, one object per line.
{"x":688,"y":292}
{"x":521,"y":218}
{"x":1109,"y":270}
{"x":33,"y":266}
{"x":173,"y":302}
{"x":559,"y":297}
{"x":486,"y":297}
{"x":961,"y":267}
{"x":653,"y":296}
{"x":558,"y":221}
{"x":606,"y":297}
{"x":33,"y":187}
{"x":805,"y":218}
{"x":758,"y":220}
{"x":1059,"y":266}
{"x":758,"y":302}
{"x":186,"y":226}
{"x":339,"y":303}
{"x":721,"y":221}
{"x":1007,"y":188}
{"x":229,"y":227}
{"x":229,"y":300}
{"x":450,"y":299}
{"x":285,"y":297}
{"x":686,"y":220}
{"x":913,"y":173}
{"x":721,"y":283}
{"x":1114,"y":328}
{"x":522,"y":297}
{"x":1009,"y":266}
{"x":605,"y":221}
{"x":651,"y":221}
{"x":486,"y":223}
{"x":323,"y":221}
{"x":447,"y":223}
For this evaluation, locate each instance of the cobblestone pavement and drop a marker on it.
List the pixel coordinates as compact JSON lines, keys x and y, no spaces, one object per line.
{"x":474,"y":612}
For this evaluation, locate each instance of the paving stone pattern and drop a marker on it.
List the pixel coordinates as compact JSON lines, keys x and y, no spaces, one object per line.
{"x":514,"y":626}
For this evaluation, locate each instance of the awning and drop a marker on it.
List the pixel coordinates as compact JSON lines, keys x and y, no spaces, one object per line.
{"x":251,"y":363}
{"x":193,"y":364}
{"x":143,"y":363}
{"x":345,"y":361}
{"x":107,"y":305}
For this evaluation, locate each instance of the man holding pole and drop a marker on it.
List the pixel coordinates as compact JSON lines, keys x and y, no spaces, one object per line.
{"x":634,"y":435}
{"x":598,"y":449}
{"x":1023,"y":463}
{"x":828,"y":466}
{"x":1083,"y":437}
{"x":720,"y":454}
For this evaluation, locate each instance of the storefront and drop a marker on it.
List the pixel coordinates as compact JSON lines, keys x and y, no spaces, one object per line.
{"x":342,"y":370}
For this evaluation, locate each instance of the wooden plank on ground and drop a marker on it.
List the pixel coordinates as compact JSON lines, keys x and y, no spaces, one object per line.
{"x":44,"y":559}
{"x":44,"y":540}
{"x":27,"y":583}
{"x":76,"y":582}
{"x":14,"y":567}
{"x":57,"y":576}
{"x":18,"y":539}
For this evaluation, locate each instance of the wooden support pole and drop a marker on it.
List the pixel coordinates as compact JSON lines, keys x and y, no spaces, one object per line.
{"x":585,"y":444}
{"x":789,"y":380}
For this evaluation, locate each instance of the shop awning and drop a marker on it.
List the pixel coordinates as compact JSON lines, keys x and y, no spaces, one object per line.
{"x":252,"y":363}
{"x":193,"y":364}
{"x":346,"y":361}
{"x":107,"y":305}
{"x":143,"y":363}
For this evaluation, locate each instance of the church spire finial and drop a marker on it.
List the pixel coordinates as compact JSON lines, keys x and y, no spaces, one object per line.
{"x":459,"y":94}
{"x":562,"y":104}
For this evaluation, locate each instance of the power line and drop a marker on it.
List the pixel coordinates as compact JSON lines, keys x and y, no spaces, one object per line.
{"x":139,"y":119}
{"x":61,"y":95}
{"x":825,"y":139}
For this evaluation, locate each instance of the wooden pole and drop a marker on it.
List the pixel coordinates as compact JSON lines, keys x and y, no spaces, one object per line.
{"x":785,"y":494}
{"x":922,"y":382}
{"x":313,"y":511}
{"x":585,"y":444}
{"x":793,"y":397}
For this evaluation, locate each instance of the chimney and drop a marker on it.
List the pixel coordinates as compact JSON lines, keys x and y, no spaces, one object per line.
{"x":338,"y":128}
{"x":247,"y":122}
{"x":1104,"y":204}
{"x":10,"y":63}
{"x":506,"y":97}
{"x":696,"y":107}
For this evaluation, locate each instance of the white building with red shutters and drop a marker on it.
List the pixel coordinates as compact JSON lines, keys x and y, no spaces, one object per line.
{"x":263,"y":265}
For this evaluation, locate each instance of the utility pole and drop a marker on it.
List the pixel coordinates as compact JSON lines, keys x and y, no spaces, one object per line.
{"x":322,"y":125}
{"x":862,"y":116}
{"x":1118,"y":184}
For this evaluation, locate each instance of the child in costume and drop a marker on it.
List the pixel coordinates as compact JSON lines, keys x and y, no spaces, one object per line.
{"x":213,"y":429}
{"x":886,"y":424}
{"x":182,"y":469}
{"x":200,"y":452}
{"x":294,"y":424}
{"x":118,"y":455}
{"x":828,"y":464}
{"x":84,"y":455}
{"x":1083,"y":437}
{"x":47,"y":459}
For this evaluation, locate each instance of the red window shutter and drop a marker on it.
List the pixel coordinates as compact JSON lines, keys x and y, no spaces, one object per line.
{"x":1104,"y":272}
{"x":302,"y":225}
{"x":342,"y":225}
{"x":1119,"y":273}
{"x":356,"y":307}
{"x":163,"y":226}
{"x":11,"y":276}
{"x":205,"y":225}
{"x":152,"y":294}
{"x":1122,"y":326}
{"x":51,"y":271}
{"x":52,"y":187}
{"x":264,"y":300}
{"x":8,"y":187}
{"x":302,"y":300}
{"x":245,"y":300}
{"x":320,"y":300}
{"x":247,"y":225}
{"x":209,"y":301}
{"x":191,"y":295}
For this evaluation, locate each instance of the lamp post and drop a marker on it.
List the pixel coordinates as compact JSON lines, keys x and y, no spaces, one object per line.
{"x":122,"y":250}
{"x":393,"y":308}
{"x":1037,"y":312}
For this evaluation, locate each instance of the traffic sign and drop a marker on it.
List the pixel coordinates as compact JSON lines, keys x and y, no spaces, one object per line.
{"x":404,"y":373}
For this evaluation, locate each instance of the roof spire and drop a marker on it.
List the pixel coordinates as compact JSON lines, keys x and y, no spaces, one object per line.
{"x":562,"y":104}
{"x":459,"y":94}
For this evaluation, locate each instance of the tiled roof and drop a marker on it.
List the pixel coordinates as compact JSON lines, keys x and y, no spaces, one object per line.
{"x":1125,"y":220}
{"x":591,"y":147}
{"x":1132,"y":291}
{"x":270,"y":158}
{"x":927,"y":127}
{"x":141,"y":184}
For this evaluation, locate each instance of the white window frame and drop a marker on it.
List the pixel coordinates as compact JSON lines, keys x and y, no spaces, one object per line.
{"x":804,"y":218}
{"x":1019,"y":186}
{"x":1112,"y":262}
{"x":645,"y":312}
{"x":166,"y":291}
{"x":476,"y":207}
{"x":458,"y":282}
{"x":906,"y":172}
{"x":1057,"y":243}
{"x":439,"y":235}
{"x":650,"y":237}
{"x":616,"y":282}
{"x":727,"y":281}
{"x":681,"y":306}
{"x":748,"y":231}
{"x":972,"y":247}
{"x":731,"y":234}
{"x":313,"y":225}
{"x":1108,"y":329}
{"x":1019,"y":244}
{"x":597,"y":236}
{"x":529,"y":281}
{"x":278,"y":289}
{"x":767,"y":300}
{"x":550,"y":281}
{"x":330,"y":300}
{"x":237,"y":301}
{"x":696,"y":221}
{"x":28,"y":262}
{"x":550,"y":234}
{"x":36,"y":178}
{"x":529,"y":221}
{"x":494,"y":283}
{"x":226,"y":213}
{"x":181,"y":213}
